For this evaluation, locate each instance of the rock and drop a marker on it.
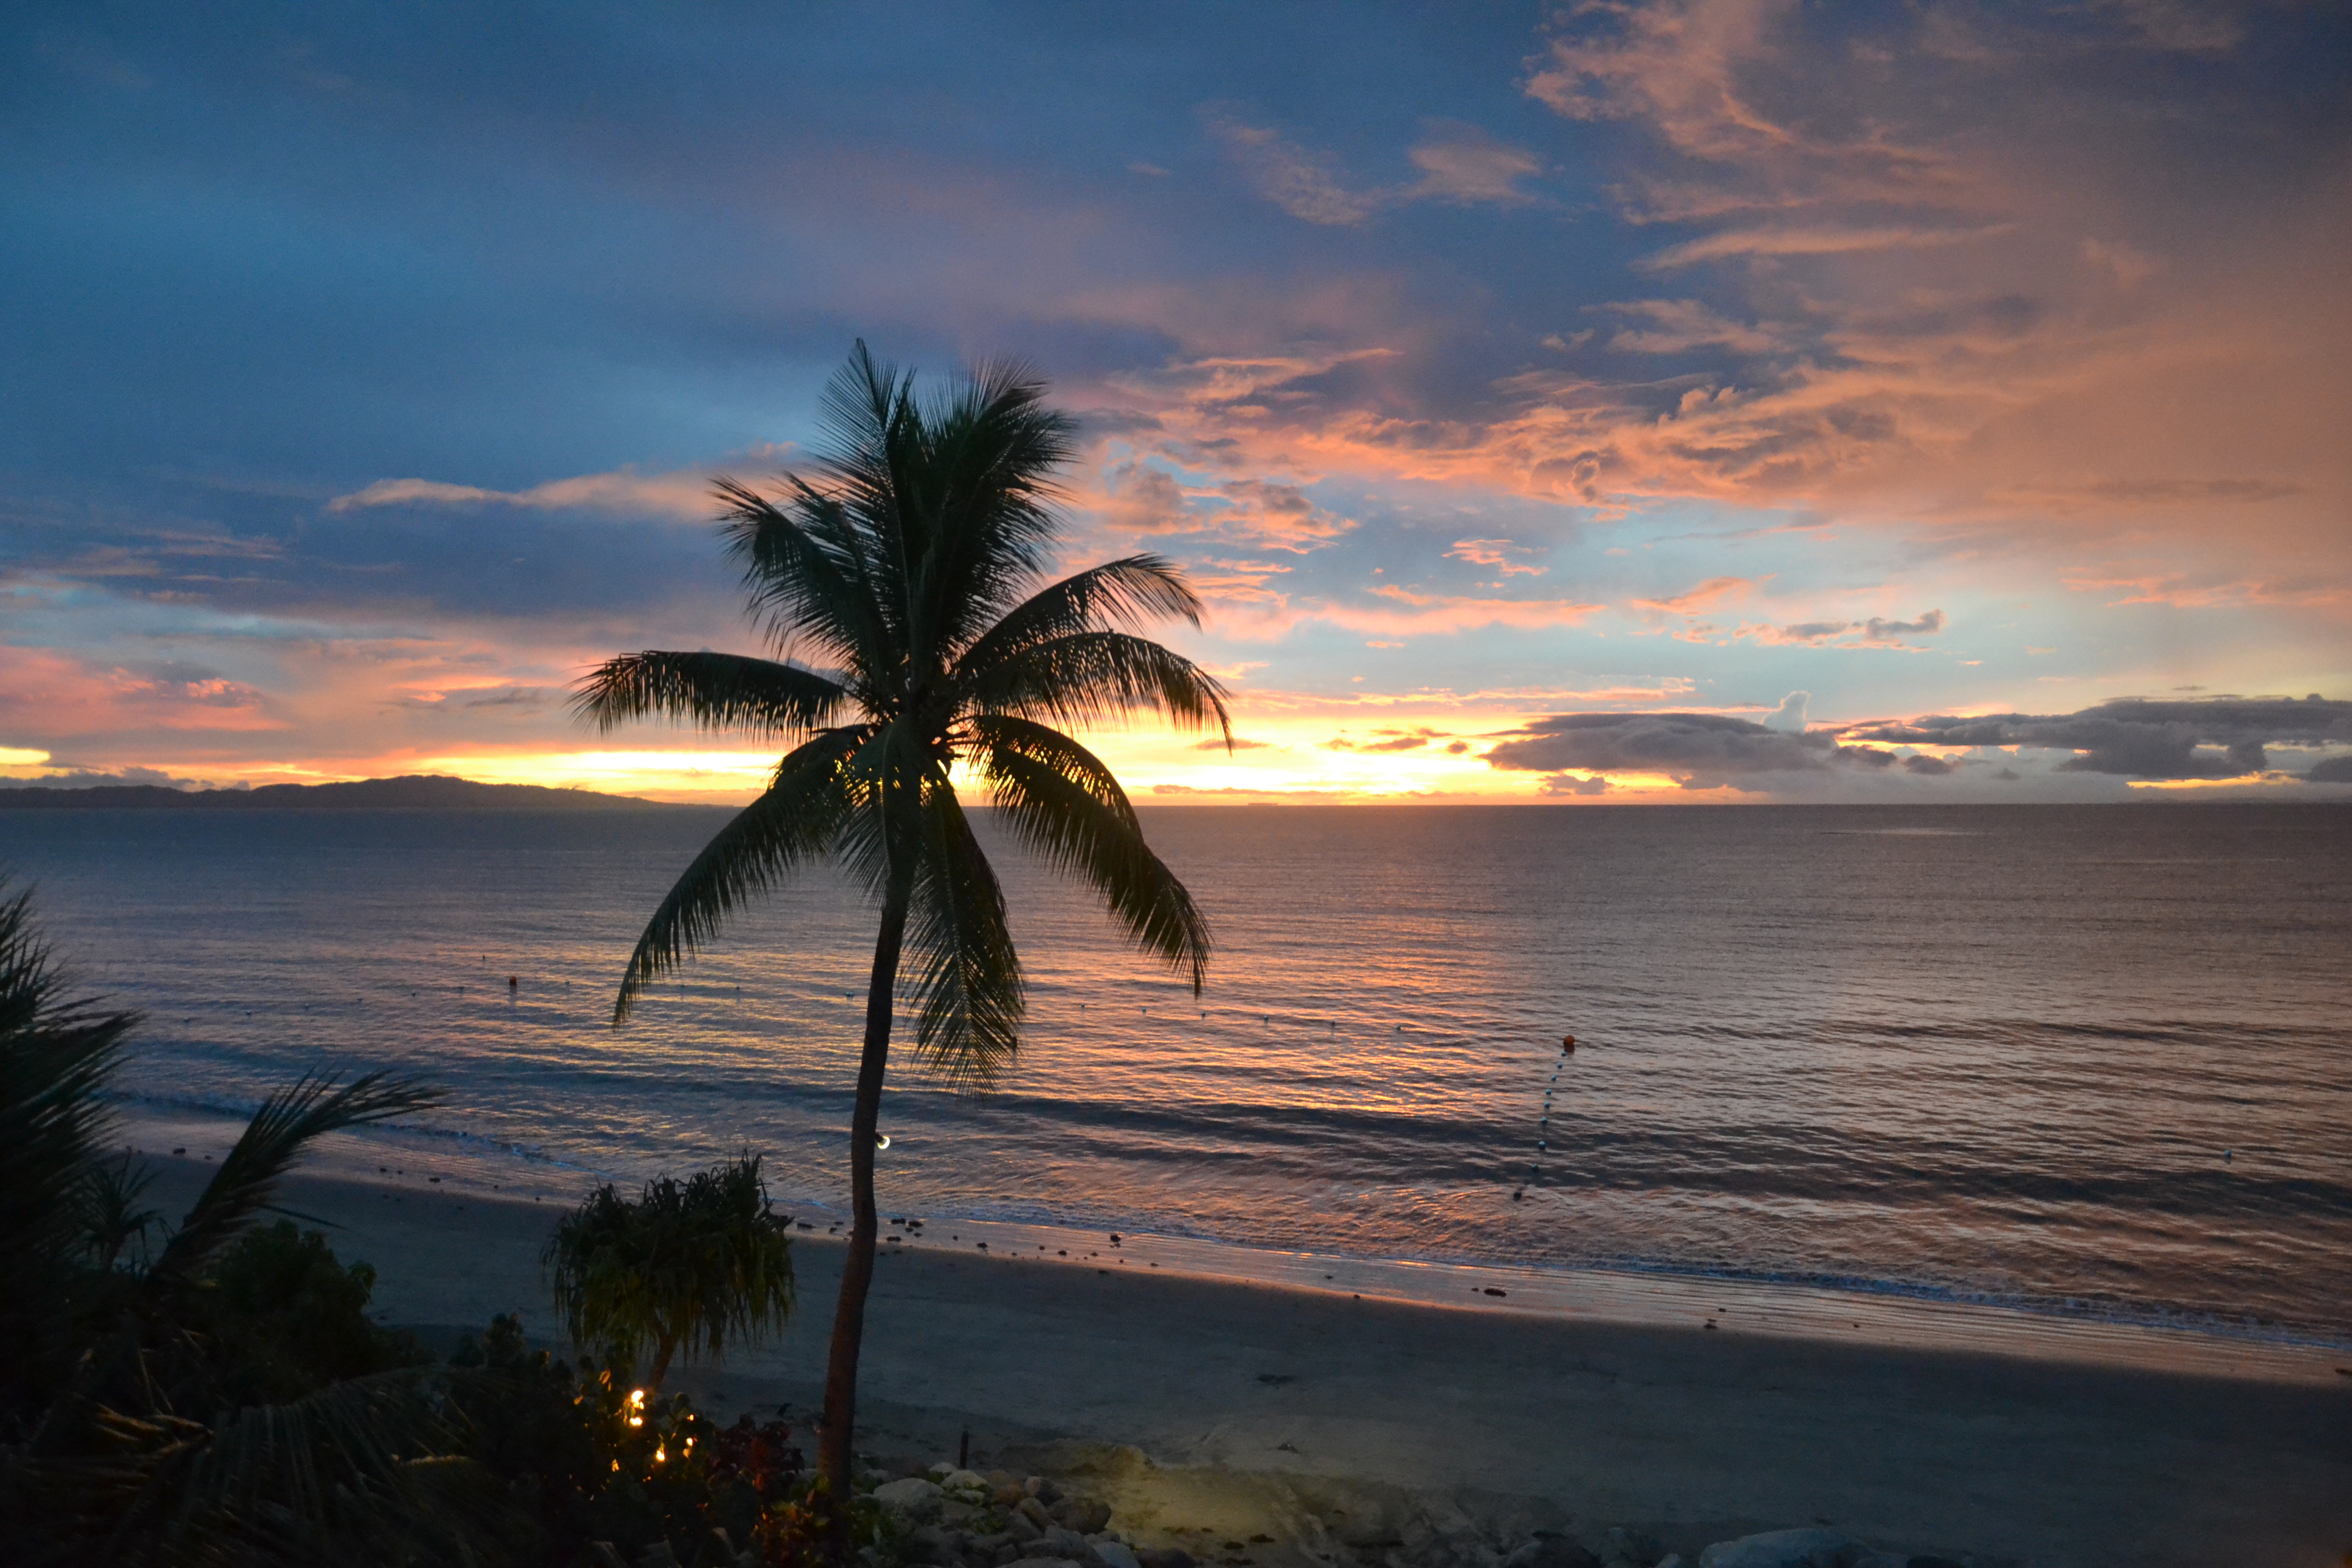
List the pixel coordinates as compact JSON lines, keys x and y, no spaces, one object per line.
{"x":1164,"y":1557}
{"x":1115,"y":1554}
{"x":1634,"y":1547}
{"x":1082,"y":1514}
{"x":1671,"y":1560}
{"x":1022,"y":1529}
{"x":1546,"y":1549}
{"x":1043,"y":1562}
{"x":1786,"y":1548}
{"x":1036,"y":1512}
{"x":930,"y":1543}
{"x":1881,"y":1560}
{"x":965,"y":1481}
{"x":1007,"y":1495}
{"x":913,"y":1497}
{"x":658,"y":1555}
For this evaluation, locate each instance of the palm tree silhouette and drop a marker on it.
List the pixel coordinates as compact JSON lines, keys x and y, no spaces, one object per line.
{"x":684,"y":1268}
{"x":913,"y":565}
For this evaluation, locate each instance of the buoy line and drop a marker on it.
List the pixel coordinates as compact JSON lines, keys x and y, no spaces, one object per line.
{"x":1543,"y":1124}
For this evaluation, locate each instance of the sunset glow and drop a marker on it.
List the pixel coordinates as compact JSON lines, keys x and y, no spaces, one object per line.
{"x":1837,"y":373}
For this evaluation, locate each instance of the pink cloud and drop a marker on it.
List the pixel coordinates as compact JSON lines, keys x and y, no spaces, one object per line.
{"x":1507,"y":558}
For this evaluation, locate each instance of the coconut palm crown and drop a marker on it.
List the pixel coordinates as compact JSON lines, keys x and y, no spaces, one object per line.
{"x":901,"y":583}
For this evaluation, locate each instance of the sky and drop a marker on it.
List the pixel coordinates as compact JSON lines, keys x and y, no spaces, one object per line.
{"x":1717,"y":400}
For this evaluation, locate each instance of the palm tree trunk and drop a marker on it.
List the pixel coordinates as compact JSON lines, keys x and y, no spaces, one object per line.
{"x":834,"y":1451}
{"x":664,"y":1348}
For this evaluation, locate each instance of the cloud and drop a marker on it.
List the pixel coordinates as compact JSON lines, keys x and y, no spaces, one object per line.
{"x":2329,"y":770}
{"x":1506,"y":557}
{"x":73,"y":777}
{"x":1880,"y":633}
{"x":1263,"y":512}
{"x":1460,"y":164}
{"x":685,"y":493}
{"x":1808,"y":632}
{"x":1391,"y":740}
{"x":1813,"y":242}
{"x":1304,"y":184}
{"x":1678,"y":326}
{"x":1697,"y":750}
{"x":1712,"y":592}
{"x":1239,"y":745}
{"x":1790,"y":714}
{"x":2205,"y":738}
{"x":1463,"y":165}
{"x":1568,"y":784}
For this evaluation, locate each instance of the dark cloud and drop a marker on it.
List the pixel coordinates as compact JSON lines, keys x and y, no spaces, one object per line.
{"x":85,"y":778}
{"x":2206,"y":738}
{"x":1926,"y":625}
{"x":1393,"y":740}
{"x":1238,"y":744}
{"x":1565,"y":784}
{"x":1697,"y":749}
{"x":2329,"y":770}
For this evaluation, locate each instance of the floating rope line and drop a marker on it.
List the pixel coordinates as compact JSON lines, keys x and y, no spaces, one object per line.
{"x":1543,"y":1127}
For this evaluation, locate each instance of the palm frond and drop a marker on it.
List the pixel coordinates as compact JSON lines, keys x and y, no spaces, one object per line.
{"x":968,"y":993}
{"x":1059,"y":799}
{"x":812,"y":577}
{"x":994,"y":450}
{"x":56,"y":1054}
{"x":112,"y":1218}
{"x":249,"y":1174}
{"x":359,"y":1471}
{"x":1088,"y":679}
{"x":714,"y":690}
{"x":1117,"y":596}
{"x":796,"y":821}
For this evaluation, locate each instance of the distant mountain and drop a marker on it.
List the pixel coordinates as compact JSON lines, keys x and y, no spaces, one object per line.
{"x":414,"y":791}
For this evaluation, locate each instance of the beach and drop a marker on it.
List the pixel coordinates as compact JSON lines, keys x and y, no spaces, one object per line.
{"x":1254,"y":1393}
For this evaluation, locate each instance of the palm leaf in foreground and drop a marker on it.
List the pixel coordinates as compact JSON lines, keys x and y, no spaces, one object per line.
{"x":912,"y":559}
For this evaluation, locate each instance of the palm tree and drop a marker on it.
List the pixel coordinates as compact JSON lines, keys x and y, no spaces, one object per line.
{"x":913,"y":565}
{"x":683,"y":1267}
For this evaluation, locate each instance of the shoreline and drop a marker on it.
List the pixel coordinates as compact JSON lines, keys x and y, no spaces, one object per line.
{"x":1683,"y":1431}
{"x":1892,"y":1317}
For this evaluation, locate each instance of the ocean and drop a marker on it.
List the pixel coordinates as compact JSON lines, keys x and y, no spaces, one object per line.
{"x":2092,"y":1061}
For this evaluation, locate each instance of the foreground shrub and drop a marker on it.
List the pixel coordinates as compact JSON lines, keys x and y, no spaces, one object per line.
{"x":686,"y":1265}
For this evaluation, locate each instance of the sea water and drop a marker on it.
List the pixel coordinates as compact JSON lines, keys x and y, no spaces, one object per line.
{"x":2089,"y":1060}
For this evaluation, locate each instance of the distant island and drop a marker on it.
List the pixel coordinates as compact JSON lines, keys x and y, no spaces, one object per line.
{"x":425,"y":792}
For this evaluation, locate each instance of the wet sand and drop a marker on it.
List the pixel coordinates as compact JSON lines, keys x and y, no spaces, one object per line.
{"x":1712,"y":1433}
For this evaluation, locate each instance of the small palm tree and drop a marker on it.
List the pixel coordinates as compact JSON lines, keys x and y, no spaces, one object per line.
{"x":913,"y":562}
{"x":684,"y":1267}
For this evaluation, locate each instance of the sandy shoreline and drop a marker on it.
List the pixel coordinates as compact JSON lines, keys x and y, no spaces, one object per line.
{"x":1706,"y":1433}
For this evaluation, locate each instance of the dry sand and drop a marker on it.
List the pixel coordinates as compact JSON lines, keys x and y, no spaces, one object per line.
{"x":1700,"y":1433}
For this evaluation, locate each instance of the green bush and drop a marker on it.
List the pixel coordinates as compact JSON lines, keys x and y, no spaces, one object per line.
{"x":284,"y":1318}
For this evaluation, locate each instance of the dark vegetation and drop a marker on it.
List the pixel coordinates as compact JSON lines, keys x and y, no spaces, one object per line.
{"x":216,"y":1393}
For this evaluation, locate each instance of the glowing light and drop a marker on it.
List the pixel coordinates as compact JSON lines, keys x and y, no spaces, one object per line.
{"x":660,"y":1454}
{"x":18,"y":757}
{"x":881,"y":1139}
